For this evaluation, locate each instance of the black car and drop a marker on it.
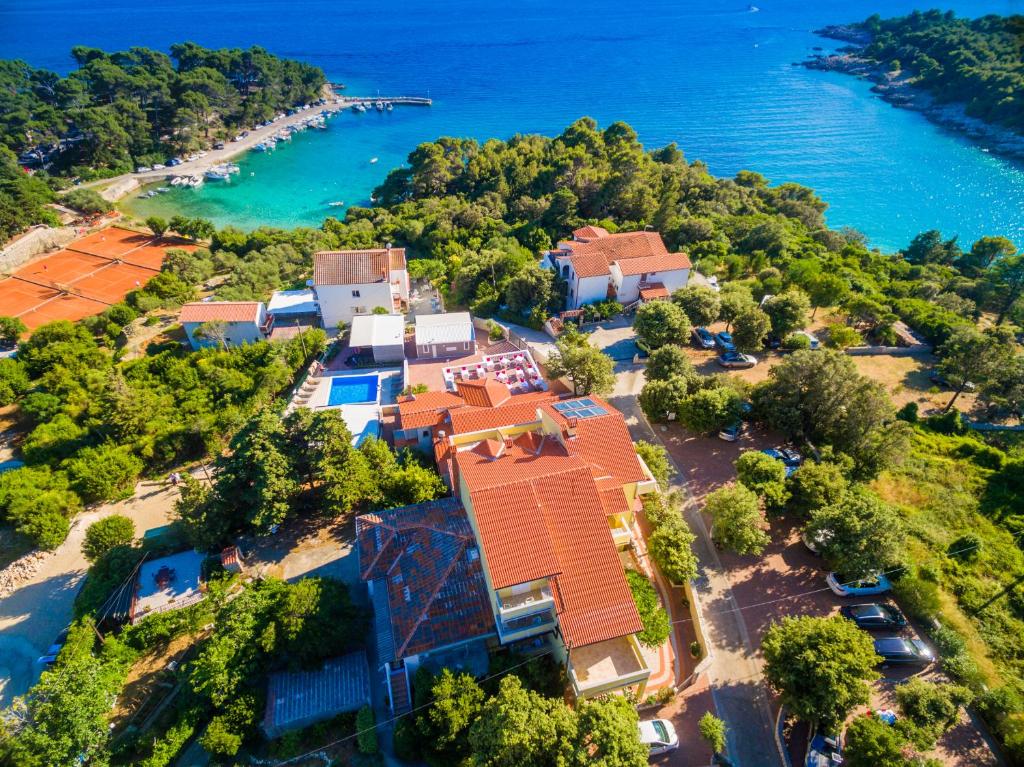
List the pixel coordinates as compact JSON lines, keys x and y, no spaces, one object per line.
{"x":219,"y":145}
{"x":724,"y":342}
{"x":903,"y":652}
{"x":874,"y":616}
{"x":703,"y":338}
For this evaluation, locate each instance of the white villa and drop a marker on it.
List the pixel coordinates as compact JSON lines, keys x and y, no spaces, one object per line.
{"x":352,"y":282}
{"x":245,"y":322}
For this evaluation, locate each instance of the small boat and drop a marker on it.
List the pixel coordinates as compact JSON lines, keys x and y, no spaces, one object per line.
{"x":162,"y":189}
{"x":380,"y":106}
{"x":753,"y":8}
{"x":217,"y":174}
{"x":985,"y":149}
{"x":195,"y":181}
{"x":389,"y":106}
{"x":373,"y":160}
{"x":260,"y":147}
{"x":232,"y":168}
{"x":359,"y":107}
{"x":179,"y":180}
{"x":336,"y":204}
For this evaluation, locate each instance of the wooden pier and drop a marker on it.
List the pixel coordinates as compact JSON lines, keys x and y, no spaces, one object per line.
{"x":414,"y":101}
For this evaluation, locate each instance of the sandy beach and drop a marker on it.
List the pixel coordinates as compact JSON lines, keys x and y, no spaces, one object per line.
{"x":119,"y":186}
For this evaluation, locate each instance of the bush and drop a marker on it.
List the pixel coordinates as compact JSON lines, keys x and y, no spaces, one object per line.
{"x":919,"y":597}
{"x":670,"y":546}
{"x":87,"y":201}
{"x":840,"y":336}
{"x":104,"y":473}
{"x":407,"y":740}
{"x":795,"y":341}
{"x":102,"y":536}
{"x":908,"y":413}
{"x":946,"y":423}
{"x":708,"y":410}
{"x":656,"y":458}
{"x":366,"y":731}
{"x":966,"y":548}
{"x":652,"y":614}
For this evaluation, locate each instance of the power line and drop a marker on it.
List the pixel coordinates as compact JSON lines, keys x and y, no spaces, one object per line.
{"x":407,"y":713}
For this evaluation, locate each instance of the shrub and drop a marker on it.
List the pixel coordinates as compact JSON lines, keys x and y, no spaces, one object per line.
{"x":670,"y":546}
{"x":102,"y":536}
{"x":966,"y":548}
{"x":366,"y":731}
{"x":919,"y":597}
{"x":88,"y":201}
{"x":946,"y":423}
{"x":795,"y":341}
{"x":407,"y":740}
{"x":908,"y":413}
{"x":656,"y":458}
{"x":652,"y":614}
{"x":712,"y":729}
{"x":841,"y":336}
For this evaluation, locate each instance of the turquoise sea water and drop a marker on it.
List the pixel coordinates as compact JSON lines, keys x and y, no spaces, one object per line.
{"x":715,"y":77}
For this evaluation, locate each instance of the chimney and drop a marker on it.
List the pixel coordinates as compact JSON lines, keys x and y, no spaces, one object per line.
{"x":387,"y":247}
{"x":441,"y":435}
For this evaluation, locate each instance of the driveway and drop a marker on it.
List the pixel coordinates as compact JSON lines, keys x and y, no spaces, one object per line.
{"x":41,"y":607}
{"x":734,"y":672}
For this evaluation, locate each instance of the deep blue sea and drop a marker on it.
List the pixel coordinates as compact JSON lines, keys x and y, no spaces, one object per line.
{"x":717,"y":78}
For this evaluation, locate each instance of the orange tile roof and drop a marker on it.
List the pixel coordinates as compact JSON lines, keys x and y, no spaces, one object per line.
{"x":603,"y":442}
{"x":666,"y":262}
{"x":592,"y":257}
{"x":614,"y":501}
{"x":226,"y":311}
{"x":356,"y":267}
{"x":522,"y":408}
{"x":486,"y":393}
{"x":427,"y":409}
{"x":590,"y":232}
{"x":654,"y":291}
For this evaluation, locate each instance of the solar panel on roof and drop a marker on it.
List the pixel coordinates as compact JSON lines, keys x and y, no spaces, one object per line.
{"x":587,"y":402}
{"x":561,"y":407}
{"x":582,"y":408}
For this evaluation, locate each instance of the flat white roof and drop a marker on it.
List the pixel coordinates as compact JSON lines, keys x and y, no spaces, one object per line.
{"x":292,"y":302}
{"x":453,"y":328}
{"x":362,"y":420}
{"x":167,"y":583}
{"x":377,"y":330}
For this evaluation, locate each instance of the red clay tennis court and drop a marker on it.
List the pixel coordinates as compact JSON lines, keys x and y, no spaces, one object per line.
{"x":85,"y":278}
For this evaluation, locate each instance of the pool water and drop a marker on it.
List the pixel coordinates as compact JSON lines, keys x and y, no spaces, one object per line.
{"x":349,"y":390}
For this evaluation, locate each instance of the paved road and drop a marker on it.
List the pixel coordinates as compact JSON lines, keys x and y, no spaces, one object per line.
{"x":734,"y":672}
{"x":36,"y":612}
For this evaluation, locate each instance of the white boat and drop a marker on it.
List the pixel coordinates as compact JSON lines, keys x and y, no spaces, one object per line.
{"x":359,"y":107}
{"x":178,"y":180}
{"x":232,"y":168}
{"x":195,"y":181}
{"x":389,"y":106}
{"x":336,"y":204}
{"x":218,"y":173}
{"x":373,"y":160}
{"x":162,"y":189}
{"x":380,"y":106}
{"x":283,"y":136}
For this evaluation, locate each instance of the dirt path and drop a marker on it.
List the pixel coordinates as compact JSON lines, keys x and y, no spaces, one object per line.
{"x":41,"y":607}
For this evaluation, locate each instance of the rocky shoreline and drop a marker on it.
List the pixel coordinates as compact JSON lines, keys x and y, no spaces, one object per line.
{"x":898,"y":89}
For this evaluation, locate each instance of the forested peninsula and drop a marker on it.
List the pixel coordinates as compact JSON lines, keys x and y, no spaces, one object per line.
{"x":965,"y":74}
{"x":116,"y":111}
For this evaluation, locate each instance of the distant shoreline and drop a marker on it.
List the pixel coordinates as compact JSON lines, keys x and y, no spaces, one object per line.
{"x":896,"y":89}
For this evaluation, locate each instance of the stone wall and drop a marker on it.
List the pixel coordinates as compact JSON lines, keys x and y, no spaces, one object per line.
{"x":38,"y":240}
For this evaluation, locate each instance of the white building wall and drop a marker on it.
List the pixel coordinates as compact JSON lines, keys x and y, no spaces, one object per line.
{"x":338,"y":304}
{"x":401,"y":276}
{"x":236,"y":334}
{"x":673,"y":280}
{"x":588,"y":290}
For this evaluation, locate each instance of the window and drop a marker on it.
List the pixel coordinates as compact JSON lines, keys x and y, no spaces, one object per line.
{"x":355,"y":294}
{"x":360,"y":310}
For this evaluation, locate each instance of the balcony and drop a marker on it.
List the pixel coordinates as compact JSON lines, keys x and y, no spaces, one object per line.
{"x":621,"y":534}
{"x":510,"y":603}
{"x":608,"y":666}
{"x":514,"y":629}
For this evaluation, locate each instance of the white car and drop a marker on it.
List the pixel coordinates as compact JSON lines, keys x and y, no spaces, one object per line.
{"x":159,"y":166}
{"x":659,"y":736}
{"x":143,"y":169}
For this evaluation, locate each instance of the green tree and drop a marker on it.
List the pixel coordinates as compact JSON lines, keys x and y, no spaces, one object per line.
{"x":931,"y":707}
{"x":340,"y":471}
{"x":669,"y":361}
{"x":366,"y":731}
{"x":699,"y":303}
{"x":860,"y":534}
{"x":827,"y":290}
{"x":737,"y":522}
{"x":840,"y":336}
{"x":659,"y":323}
{"x":820,"y":667}
{"x":590,"y":370}
{"x":713,"y":730}
{"x":735,"y":300}
{"x":815,"y":485}
{"x":455,"y":703}
{"x":1006,"y":278}
{"x":213,"y":332}
{"x":518,"y":726}
{"x":765,"y":475}
{"x":787,"y":311}
{"x":661,"y":399}
{"x":976,"y":357}
{"x":11,"y":329}
{"x":671,"y":547}
{"x":105,"y":534}
{"x":749,"y":329}
{"x":870,"y":742}
{"x":13,"y":381}
{"x":706,"y":411}
{"x":820,"y":397}
{"x":104,"y":473}
{"x":652,"y":614}
{"x":157,"y":225}
{"x":657,"y":460}
{"x":986,"y":252}
{"x":609,"y":734}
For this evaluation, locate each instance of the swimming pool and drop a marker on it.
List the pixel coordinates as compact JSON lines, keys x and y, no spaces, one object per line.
{"x":348,"y":390}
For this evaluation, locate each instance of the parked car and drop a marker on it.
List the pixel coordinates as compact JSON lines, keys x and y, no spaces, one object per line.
{"x":219,"y":145}
{"x":903,"y":652}
{"x":815,"y":542}
{"x":824,"y":751}
{"x":772,"y":341}
{"x":724,"y":341}
{"x":732,"y":432}
{"x":874,"y":616}
{"x":703,"y":338}
{"x":143,"y":169}
{"x":864,"y":587}
{"x":174,"y":161}
{"x":791,"y":458}
{"x":736,"y":360}
{"x":713,"y":282}
{"x":159,"y":166}
{"x":659,"y":736}
{"x":936,"y":377}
